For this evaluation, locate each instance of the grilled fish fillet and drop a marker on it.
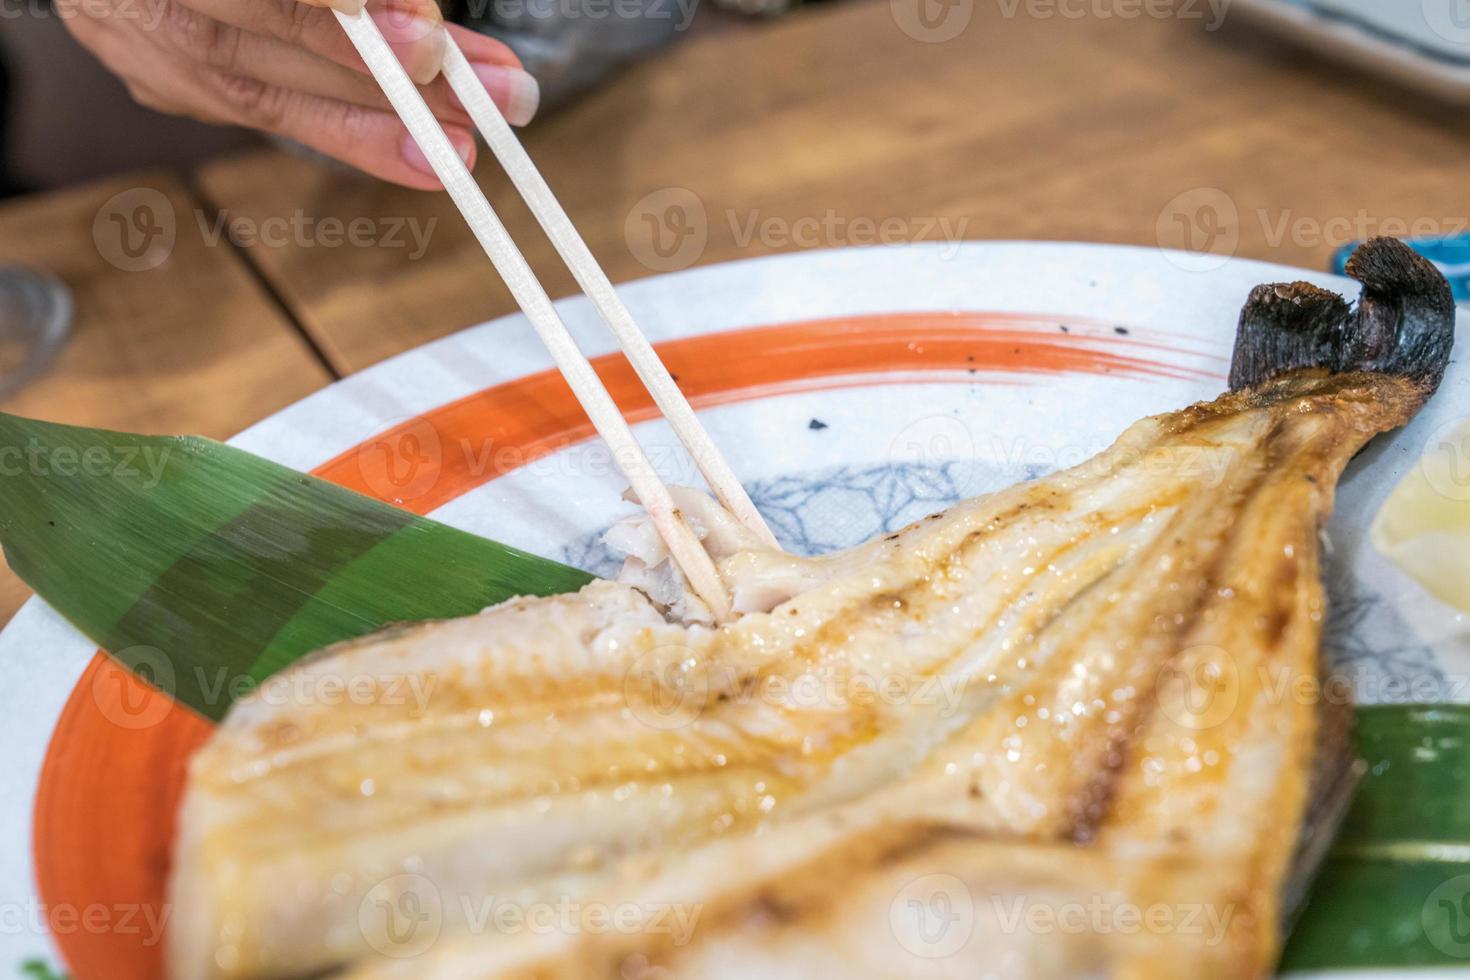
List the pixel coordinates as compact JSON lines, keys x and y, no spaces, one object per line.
{"x":1052,"y":732}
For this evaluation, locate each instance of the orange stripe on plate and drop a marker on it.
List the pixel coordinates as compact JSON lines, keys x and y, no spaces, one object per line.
{"x":486,"y":435}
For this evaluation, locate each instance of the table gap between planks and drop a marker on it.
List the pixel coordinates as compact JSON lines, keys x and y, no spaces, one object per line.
{"x":172,"y":334}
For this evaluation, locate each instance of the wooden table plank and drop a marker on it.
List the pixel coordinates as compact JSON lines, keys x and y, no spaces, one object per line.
{"x":193,"y":345}
{"x":1099,"y":129}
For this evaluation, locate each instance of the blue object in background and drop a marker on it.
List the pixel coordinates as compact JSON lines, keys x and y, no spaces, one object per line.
{"x":1451,"y":255}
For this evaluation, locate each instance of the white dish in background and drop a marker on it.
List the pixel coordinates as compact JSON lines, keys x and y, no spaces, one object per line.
{"x":1423,"y":45}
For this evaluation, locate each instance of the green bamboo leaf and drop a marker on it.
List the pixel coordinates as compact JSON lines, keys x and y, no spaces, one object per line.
{"x":206,"y":569}
{"x":1395,"y":888}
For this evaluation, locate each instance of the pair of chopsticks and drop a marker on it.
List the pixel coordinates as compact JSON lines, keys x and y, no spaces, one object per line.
{"x":683,"y":544}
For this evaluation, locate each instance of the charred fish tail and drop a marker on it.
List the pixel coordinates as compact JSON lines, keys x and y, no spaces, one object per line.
{"x":1403,"y":323}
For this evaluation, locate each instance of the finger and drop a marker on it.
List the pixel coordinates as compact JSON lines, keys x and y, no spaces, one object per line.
{"x":372,"y":140}
{"x":513,"y":88}
{"x":414,"y":29}
{"x":481,"y":49}
{"x":243,"y":54}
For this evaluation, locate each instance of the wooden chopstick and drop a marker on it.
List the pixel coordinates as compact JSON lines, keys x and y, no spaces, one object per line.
{"x":403,"y":94}
{"x":599,"y":289}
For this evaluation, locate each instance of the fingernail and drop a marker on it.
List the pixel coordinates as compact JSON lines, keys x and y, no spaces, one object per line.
{"x":418,"y":41}
{"x":513,"y":89}
{"x":464,"y":145}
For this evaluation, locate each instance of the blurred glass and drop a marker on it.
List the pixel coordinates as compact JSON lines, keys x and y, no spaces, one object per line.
{"x":35,"y":319}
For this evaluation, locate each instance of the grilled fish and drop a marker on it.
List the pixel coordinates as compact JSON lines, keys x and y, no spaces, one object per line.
{"x":1043,"y":734}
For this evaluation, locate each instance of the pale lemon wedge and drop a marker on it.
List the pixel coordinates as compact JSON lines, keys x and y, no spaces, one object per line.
{"x":1424,"y":526}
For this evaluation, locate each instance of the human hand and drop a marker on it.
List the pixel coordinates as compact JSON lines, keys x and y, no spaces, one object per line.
{"x":286,"y":67}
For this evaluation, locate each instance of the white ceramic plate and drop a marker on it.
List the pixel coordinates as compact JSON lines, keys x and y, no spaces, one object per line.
{"x":872,"y":416}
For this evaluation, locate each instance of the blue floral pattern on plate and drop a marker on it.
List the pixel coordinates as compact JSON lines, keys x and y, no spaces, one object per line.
{"x":1363,"y":643}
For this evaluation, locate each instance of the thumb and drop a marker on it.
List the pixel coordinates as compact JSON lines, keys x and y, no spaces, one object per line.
{"x":415,"y":29}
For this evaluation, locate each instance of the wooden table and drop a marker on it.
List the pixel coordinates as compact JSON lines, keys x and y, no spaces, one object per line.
{"x":195,"y":344}
{"x":817,"y":130}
